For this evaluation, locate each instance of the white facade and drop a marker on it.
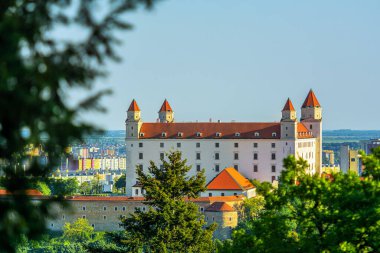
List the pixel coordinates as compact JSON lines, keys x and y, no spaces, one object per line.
{"x":254,"y":157}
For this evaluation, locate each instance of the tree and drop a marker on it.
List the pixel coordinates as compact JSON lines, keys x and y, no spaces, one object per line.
{"x":79,"y":231}
{"x":63,"y":187}
{"x":85,"y":188}
{"x":120,"y":183}
{"x":312,"y":213}
{"x":43,"y":188}
{"x":172,"y":223}
{"x":37,"y":71}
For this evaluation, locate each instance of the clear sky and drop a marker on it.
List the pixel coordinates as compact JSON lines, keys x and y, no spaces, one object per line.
{"x":241,"y":59}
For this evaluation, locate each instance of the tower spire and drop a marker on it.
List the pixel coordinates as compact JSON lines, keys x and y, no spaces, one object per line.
{"x":311,"y":100}
{"x":288,"y":106}
{"x":166,"y":114}
{"x":134,"y":107}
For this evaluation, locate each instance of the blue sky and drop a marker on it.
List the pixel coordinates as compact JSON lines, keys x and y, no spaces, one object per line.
{"x":240,"y":60}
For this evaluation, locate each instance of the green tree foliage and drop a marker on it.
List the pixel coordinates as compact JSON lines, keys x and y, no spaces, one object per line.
{"x":37,"y":71}
{"x":316,"y":214}
{"x":171,"y":224}
{"x":63,"y":187}
{"x":120,"y":183}
{"x":43,"y":188}
{"x":85,"y":188}
{"x":79,"y":231}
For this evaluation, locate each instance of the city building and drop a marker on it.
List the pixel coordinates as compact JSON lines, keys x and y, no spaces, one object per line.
{"x":349,"y":160}
{"x":368,"y":145}
{"x":255,"y":149}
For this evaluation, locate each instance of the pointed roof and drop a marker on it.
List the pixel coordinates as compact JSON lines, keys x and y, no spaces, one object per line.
{"x":133,"y":107}
{"x":165,"y":107}
{"x":229,"y":179}
{"x":220,"y":207}
{"x":288,"y":106}
{"x":311,"y":100}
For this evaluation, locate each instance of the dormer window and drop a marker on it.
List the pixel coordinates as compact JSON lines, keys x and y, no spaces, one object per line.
{"x":218,"y":134}
{"x":163,"y":134}
{"x":199,"y":134}
{"x":257,"y":134}
{"x":274,"y":134}
{"x":237,"y":134}
{"x":142,"y":134}
{"x":180,"y":134}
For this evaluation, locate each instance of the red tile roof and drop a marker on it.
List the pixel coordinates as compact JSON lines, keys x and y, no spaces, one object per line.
{"x":311,"y":100}
{"x":288,"y":106}
{"x":220,"y":207}
{"x":229,"y":179}
{"x":303,"y":132}
{"x":208,"y":130}
{"x":29,"y":192}
{"x":133,"y":107}
{"x":165,"y":107}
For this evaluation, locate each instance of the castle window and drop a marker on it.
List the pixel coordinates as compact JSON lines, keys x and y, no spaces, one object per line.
{"x":210,"y":194}
{"x":161,"y":145}
{"x":199,"y":134}
{"x":163,"y":134}
{"x":141,"y":144}
{"x":141,"y":166}
{"x":162,"y":156}
{"x":198,"y":167}
{"x":311,"y":126}
{"x":52,"y":225}
{"x":236,"y":145}
{"x":141,"y":156}
{"x":115,"y":208}
{"x":136,"y":191}
{"x":93,"y":225}
{"x":255,"y":168}
{"x":222,"y":194}
{"x":213,"y":218}
{"x":143,"y":208}
{"x":124,"y":208}
{"x":273,"y":145}
{"x":273,"y":178}
{"x":230,"y":219}
{"x":257,"y":134}
{"x":273,"y":168}
{"x":104,"y":217}
{"x":178,"y":145}
{"x":202,"y":209}
{"x":198,"y":145}
{"x":236,"y":167}
{"x":198,"y":156}
{"x":236,"y":156}
{"x":83,"y":208}
{"x":235,"y":194}
{"x":274,"y":134}
{"x":63,"y":217}
{"x":255,"y":156}
{"x":237,"y":134}
{"x":180,"y":134}
{"x":142,"y":134}
{"x":218,"y":134}
{"x":217,"y":167}
{"x":217,"y":144}
{"x":216,"y":156}
{"x":273,"y":156}
{"x":83,"y":216}
{"x":255,"y":145}
{"x":104,"y":208}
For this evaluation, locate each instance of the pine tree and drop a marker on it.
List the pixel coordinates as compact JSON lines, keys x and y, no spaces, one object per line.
{"x":172,"y":223}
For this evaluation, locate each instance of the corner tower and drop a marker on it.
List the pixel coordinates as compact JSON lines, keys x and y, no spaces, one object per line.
{"x":133,"y":122}
{"x":289,"y":121}
{"x":311,"y":117}
{"x":166,"y":114}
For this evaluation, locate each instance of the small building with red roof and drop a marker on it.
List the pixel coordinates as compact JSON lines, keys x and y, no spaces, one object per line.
{"x":230,"y":182}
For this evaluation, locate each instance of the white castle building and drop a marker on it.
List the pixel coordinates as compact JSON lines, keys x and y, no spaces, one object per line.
{"x":255,"y":149}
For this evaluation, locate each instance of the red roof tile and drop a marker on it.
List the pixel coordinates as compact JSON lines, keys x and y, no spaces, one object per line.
{"x":165,"y":107}
{"x":303,"y":132}
{"x":220,"y":207}
{"x":288,"y":106}
{"x":229,"y":179}
{"x":29,"y":192}
{"x":133,"y":107}
{"x":208,"y":130}
{"x":311,"y":100}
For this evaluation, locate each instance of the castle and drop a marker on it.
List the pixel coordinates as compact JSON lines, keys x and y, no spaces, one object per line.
{"x":255,"y":149}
